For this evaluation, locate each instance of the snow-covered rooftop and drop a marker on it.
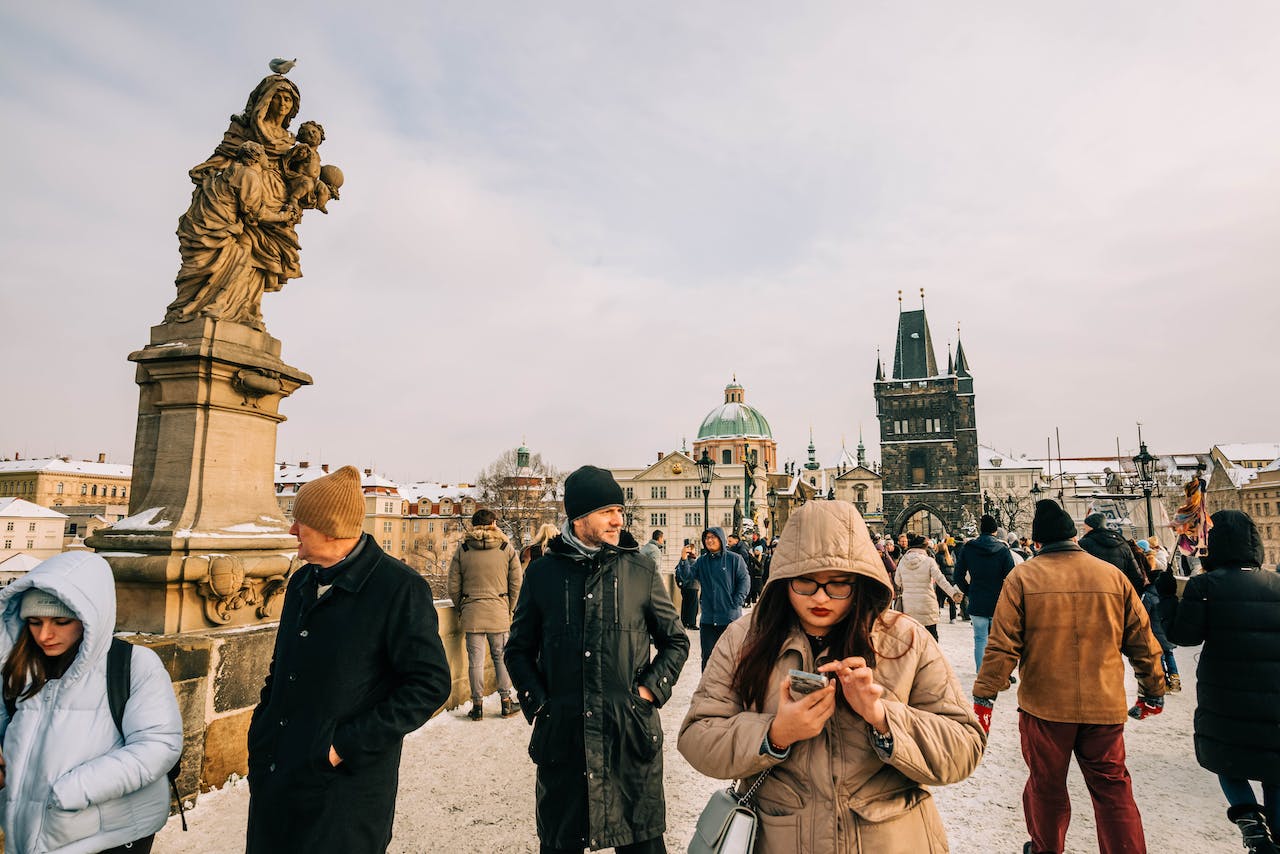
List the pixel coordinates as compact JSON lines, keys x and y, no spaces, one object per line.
{"x":27,"y":510}
{"x":20,"y":562}
{"x":289,"y":475}
{"x":1241,"y":451}
{"x":987,"y":460}
{"x":427,"y":490}
{"x":69,"y":466}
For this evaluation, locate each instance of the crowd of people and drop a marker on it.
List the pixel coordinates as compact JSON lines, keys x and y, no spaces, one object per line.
{"x":824,"y":695}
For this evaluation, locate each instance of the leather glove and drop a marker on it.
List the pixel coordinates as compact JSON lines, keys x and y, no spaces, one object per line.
{"x":1146,"y":707}
{"x":982,"y":707}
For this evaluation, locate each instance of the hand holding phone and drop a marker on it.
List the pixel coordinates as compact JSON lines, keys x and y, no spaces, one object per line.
{"x":802,"y":715}
{"x":803,"y":682}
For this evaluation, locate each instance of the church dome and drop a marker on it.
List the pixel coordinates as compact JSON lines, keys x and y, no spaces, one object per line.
{"x":734,"y":419}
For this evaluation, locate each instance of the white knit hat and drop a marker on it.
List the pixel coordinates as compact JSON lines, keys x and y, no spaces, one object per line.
{"x":42,"y":603}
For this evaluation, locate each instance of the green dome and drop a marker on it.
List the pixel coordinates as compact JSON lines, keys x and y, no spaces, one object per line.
{"x":733,"y":420}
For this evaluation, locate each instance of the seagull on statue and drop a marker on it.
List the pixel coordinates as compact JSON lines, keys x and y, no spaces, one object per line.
{"x":282,"y":66}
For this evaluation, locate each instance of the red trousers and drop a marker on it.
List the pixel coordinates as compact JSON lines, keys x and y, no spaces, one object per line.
{"x":1099,"y":750}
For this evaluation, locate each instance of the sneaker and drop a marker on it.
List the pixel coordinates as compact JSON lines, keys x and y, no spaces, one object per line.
{"x":477,"y":711}
{"x":1174,"y":682}
{"x":510,"y":707}
{"x":1256,"y":837}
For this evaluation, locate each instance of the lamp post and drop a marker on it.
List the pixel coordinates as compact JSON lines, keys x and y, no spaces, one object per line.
{"x":1143,"y":462}
{"x":1010,"y":511}
{"x":706,"y":470}
{"x":771,"y":498}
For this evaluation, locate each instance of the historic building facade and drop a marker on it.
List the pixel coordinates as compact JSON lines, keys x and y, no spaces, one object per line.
{"x":62,"y":481}
{"x":734,"y":428}
{"x":928,"y":434}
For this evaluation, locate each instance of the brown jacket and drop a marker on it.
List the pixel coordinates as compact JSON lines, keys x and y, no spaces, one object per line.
{"x":484,"y":580}
{"x":1063,"y":619}
{"x":834,"y":792}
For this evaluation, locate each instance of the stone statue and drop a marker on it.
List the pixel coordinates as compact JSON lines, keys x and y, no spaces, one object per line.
{"x":237,"y":239}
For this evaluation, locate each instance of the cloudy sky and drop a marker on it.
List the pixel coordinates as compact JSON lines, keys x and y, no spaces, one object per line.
{"x":574,"y":222}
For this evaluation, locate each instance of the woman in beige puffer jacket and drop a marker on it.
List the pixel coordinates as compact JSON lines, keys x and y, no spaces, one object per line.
{"x":916,"y":576}
{"x":849,"y":764}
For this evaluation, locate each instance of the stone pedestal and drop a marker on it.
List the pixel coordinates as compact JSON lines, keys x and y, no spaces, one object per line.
{"x":205,"y":544}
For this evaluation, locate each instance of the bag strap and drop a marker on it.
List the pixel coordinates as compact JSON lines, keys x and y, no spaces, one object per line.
{"x":119,"y":680}
{"x":746,"y":800}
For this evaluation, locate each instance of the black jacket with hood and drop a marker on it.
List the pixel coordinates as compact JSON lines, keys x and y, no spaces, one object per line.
{"x":981,"y":568}
{"x":578,"y":652}
{"x":1234,"y":610}
{"x":1111,"y":546}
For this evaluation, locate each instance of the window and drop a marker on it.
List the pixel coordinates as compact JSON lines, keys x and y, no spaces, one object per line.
{"x":657,"y":492}
{"x":388,"y":507}
{"x":691,"y":492}
{"x":8,"y":526}
{"x":415,"y":527}
{"x":124,"y":492}
{"x":657,"y":520}
{"x":71,"y":529}
{"x":31,"y":544}
{"x":386,"y":545}
{"x":1009,"y":481}
{"x":94,"y":490}
{"x":431,"y":527}
{"x":8,"y":544}
{"x":728,"y":520}
{"x":84,"y":489}
{"x":919,"y":468}
{"x":31,"y":526}
{"x":113,"y":491}
{"x":59,"y":489}
{"x":693,"y":520}
{"x":631,"y":493}
{"x":446,"y":509}
{"x":386,"y":527}
{"x":726,"y":456}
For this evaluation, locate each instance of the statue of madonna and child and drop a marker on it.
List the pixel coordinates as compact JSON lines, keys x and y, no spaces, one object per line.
{"x":238,"y":240}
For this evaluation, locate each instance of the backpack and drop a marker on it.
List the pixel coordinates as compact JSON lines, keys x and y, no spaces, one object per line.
{"x":119,"y":687}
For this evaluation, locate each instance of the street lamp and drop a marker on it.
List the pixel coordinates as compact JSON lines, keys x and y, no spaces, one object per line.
{"x":771,"y":498}
{"x":1036,"y":490}
{"x":1144,"y":463}
{"x":706,"y":470}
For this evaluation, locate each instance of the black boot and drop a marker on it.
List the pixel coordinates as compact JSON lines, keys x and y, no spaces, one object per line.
{"x":1253,"y":827}
{"x":510,"y":707}
{"x":477,"y":711}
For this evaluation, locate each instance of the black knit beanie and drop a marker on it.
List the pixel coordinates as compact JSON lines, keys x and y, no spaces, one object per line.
{"x":590,"y":489}
{"x":987,"y":524}
{"x":1051,"y":523}
{"x":1096,"y":521}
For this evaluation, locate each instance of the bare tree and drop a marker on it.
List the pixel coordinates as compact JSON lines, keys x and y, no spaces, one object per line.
{"x":523,"y":490}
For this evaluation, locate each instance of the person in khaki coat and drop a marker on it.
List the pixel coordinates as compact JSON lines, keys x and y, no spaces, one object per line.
{"x":916,"y":576}
{"x":1064,"y":619}
{"x":850,"y":764}
{"x":484,"y":584}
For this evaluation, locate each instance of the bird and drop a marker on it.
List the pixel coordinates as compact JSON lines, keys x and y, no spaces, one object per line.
{"x":282,"y":66}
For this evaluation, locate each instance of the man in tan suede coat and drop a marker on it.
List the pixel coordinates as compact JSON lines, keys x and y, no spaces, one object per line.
{"x":1064,"y":619}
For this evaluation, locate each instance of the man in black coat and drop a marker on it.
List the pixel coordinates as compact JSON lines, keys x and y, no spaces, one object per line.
{"x":982,"y":565}
{"x":579,"y":657}
{"x":1107,"y":544}
{"x":1233,"y":608}
{"x":358,"y":664}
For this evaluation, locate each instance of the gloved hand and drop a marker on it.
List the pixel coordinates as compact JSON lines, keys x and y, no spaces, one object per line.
{"x":1146,"y":707}
{"x":982,"y":707}
{"x":1166,"y":584}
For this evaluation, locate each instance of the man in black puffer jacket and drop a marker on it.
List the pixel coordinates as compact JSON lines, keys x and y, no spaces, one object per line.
{"x":579,"y":657}
{"x":1107,"y":544}
{"x":1234,"y":610}
{"x":981,"y":568}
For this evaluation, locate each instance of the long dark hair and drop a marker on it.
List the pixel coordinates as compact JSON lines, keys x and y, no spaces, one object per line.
{"x":28,"y":667}
{"x":774,"y":621}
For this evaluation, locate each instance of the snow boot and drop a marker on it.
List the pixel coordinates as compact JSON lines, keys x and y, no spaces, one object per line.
{"x":477,"y":711}
{"x":1253,"y":827}
{"x":1174,"y":682}
{"x":510,"y":707}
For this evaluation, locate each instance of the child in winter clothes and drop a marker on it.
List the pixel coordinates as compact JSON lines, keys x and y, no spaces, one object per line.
{"x":1151,"y":600}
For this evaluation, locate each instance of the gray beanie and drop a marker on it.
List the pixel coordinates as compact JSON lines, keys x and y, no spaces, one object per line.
{"x":42,"y":603}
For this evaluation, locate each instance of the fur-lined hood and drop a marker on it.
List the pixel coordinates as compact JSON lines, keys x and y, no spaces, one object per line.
{"x":485,"y":537}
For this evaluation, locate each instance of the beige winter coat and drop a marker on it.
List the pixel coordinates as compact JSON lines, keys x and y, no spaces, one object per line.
{"x":484,"y":580}
{"x":917,"y":574}
{"x":834,"y":792}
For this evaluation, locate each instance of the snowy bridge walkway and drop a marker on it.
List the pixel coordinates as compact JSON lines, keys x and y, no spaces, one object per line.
{"x":467,"y":786}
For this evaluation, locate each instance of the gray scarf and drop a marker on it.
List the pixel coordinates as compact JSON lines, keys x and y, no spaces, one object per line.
{"x":566,"y":531}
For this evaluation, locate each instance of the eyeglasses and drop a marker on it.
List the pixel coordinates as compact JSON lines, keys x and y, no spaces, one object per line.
{"x":836,"y":589}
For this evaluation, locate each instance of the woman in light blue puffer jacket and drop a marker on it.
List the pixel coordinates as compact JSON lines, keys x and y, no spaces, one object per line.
{"x":72,"y":784}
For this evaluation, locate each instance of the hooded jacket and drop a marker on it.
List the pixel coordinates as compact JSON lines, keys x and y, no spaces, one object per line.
{"x":72,"y":783}
{"x":835,"y":792}
{"x":981,"y":568}
{"x":724,"y":580}
{"x":1109,"y":545}
{"x":578,"y":653}
{"x":484,"y":580}
{"x":916,"y":576}
{"x":1234,"y":610}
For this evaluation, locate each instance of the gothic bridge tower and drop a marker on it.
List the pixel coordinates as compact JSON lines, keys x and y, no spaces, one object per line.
{"x":928,"y":433}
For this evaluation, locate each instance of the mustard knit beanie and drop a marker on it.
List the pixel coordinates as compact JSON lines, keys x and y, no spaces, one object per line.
{"x":333,"y":504}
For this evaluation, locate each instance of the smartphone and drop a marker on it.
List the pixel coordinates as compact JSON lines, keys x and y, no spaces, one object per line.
{"x":803,"y":682}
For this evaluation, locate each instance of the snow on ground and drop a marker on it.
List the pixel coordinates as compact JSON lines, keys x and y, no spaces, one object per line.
{"x":468,"y":786}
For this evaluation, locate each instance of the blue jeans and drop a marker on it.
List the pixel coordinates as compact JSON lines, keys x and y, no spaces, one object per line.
{"x":981,"y":628}
{"x":1240,"y":792}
